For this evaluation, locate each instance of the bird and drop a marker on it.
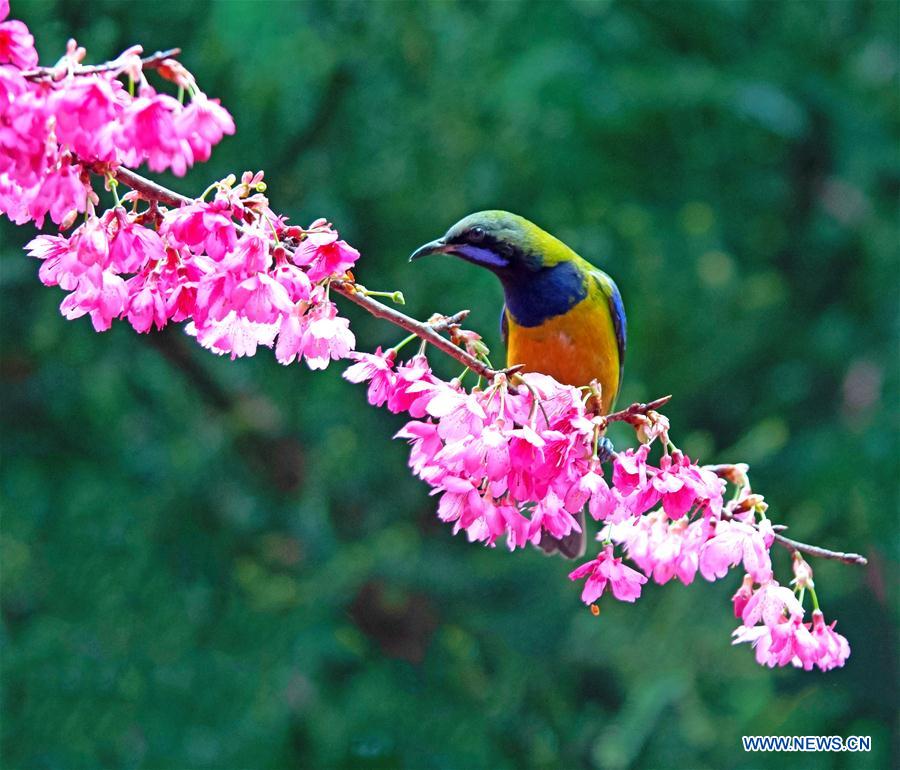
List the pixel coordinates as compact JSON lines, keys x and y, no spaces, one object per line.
{"x":562,"y":316}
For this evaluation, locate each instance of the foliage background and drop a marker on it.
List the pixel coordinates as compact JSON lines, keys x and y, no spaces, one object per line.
{"x":215,"y":564}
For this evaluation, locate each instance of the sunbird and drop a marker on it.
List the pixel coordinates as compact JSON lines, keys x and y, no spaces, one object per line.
{"x":562,"y":315}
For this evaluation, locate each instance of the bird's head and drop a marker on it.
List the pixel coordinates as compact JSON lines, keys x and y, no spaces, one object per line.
{"x":502,"y":242}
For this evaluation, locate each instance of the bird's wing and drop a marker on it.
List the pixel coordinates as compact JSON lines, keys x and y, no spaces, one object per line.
{"x":504,"y":325}
{"x":616,"y":310}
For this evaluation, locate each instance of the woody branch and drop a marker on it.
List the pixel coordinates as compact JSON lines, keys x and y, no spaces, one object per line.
{"x":430,"y":333}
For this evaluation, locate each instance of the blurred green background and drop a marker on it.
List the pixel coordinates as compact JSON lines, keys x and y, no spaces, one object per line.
{"x":216,"y":564}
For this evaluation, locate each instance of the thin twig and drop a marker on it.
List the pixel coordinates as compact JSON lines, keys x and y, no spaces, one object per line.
{"x":424,"y":331}
{"x":57,"y":73}
{"x":823,"y":553}
{"x":635,"y":410}
{"x":796,"y":545}
{"x":444,"y":323}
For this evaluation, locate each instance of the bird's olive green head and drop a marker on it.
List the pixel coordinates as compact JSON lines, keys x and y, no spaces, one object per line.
{"x":500,"y":241}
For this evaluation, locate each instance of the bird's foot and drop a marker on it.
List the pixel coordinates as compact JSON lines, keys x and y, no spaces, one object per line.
{"x":605,"y":449}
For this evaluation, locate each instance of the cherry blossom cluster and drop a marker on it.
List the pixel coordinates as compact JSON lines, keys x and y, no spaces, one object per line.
{"x":519,"y":459}
{"x":678,"y":540}
{"x":772,"y":618}
{"x":57,"y":123}
{"x":506,"y":461}
{"x":208,"y":263}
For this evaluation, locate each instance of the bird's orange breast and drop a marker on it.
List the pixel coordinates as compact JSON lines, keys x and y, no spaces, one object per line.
{"x":574,"y":348}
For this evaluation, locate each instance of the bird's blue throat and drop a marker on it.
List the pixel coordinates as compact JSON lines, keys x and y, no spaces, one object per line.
{"x":534,"y":296}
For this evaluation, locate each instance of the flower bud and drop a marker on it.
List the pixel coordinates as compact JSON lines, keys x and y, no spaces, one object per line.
{"x":803,"y":575}
{"x":742,"y":596}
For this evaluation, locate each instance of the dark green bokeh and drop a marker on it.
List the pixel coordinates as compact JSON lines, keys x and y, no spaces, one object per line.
{"x":216,"y":564}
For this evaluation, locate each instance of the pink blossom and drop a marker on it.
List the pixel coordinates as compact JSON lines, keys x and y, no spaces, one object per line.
{"x":662,"y":548}
{"x":489,"y":453}
{"x":523,"y":467}
{"x":377,"y":369}
{"x":66,"y":259}
{"x":233,"y":334}
{"x":803,"y":645}
{"x":318,"y":336}
{"x":788,"y":641}
{"x":708,"y":489}
{"x":291,"y":334}
{"x":247,"y":256}
{"x":294,"y":280}
{"x":614,"y":507}
{"x":99,"y":293}
{"x":606,"y":569}
{"x":630,"y":469}
{"x":178,"y":283}
{"x":203,"y":123}
{"x":675,"y":486}
{"x":460,"y":414}
{"x":550,"y":515}
{"x":734,"y":542}
{"x":28,"y":153}
{"x":833,"y":649}
{"x":425,"y":444}
{"x":411,"y":388}
{"x":146,"y":305}
{"x":16,"y":43}
{"x":261,"y":298}
{"x":495,"y":439}
{"x":148,"y":133}
{"x":328,"y":337}
{"x":633,"y":478}
{"x":803,"y":575}
{"x":84,"y":111}
{"x":484,"y":455}
{"x":527,"y":459}
{"x":325,"y":253}
{"x":678,"y":483}
{"x":770,"y":603}
{"x":91,"y":242}
{"x":61,"y":192}
{"x":794,"y":644}
{"x":461,"y":502}
{"x":504,"y":518}
{"x":213,"y":296}
{"x":591,"y":488}
{"x":52,"y":249}
{"x":12,"y":86}
{"x":134,"y":245}
{"x":202,"y":227}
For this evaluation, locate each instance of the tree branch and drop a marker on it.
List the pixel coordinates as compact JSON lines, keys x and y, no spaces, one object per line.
{"x":423,"y":330}
{"x":429,"y":332}
{"x":149,"y":189}
{"x":823,"y":553}
{"x":57,"y":73}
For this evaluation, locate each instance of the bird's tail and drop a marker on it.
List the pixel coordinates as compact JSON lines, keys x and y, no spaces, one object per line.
{"x":572,"y":546}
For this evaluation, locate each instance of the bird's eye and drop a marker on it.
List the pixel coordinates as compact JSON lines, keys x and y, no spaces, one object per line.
{"x":476,"y":235}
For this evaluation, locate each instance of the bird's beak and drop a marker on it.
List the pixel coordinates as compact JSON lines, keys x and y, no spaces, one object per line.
{"x":440,"y":246}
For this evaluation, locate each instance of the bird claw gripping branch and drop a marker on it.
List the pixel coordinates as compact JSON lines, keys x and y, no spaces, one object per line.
{"x":515,"y":457}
